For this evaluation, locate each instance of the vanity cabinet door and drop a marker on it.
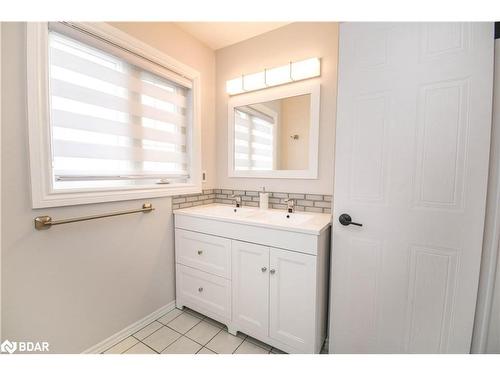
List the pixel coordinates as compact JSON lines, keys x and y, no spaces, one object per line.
{"x":292,"y":298}
{"x":250,"y":284}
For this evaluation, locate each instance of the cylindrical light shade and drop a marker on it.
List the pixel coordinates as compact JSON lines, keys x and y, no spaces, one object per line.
{"x":305,"y":69}
{"x":234,"y":86}
{"x":254,"y":81}
{"x":278,"y":76}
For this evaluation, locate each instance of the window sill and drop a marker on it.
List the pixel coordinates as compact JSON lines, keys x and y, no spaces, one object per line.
{"x":66,"y":198}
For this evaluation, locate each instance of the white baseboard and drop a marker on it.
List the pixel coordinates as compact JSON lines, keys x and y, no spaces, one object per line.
{"x":127,"y":331}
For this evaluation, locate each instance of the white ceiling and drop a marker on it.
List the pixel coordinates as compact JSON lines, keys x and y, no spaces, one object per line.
{"x":222,"y":34}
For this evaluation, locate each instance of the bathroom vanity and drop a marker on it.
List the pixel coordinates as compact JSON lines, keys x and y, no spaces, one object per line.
{"x":260,"y":272}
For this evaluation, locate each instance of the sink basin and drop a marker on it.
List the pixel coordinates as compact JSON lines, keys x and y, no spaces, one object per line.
{"x":226,"y":210}
{"x":281,"y":217}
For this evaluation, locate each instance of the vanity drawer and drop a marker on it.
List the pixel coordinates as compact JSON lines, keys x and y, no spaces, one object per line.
{"x":204,"y":252}
{"x":204,"y":292}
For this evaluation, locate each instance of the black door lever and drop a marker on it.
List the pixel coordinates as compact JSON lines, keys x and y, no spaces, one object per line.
{"x":345,"y":219}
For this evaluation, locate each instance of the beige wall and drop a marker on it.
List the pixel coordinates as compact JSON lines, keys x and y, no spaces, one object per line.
{"x":292,"y":42}
{"x":295,"y":120}
{"x":77,"y":284}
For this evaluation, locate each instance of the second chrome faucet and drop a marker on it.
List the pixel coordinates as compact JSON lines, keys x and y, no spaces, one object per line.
{"x":237,"y":200}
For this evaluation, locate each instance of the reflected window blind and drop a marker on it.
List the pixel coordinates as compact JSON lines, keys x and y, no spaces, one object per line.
{"x":253,"y":140}
{"x":113,"y":123}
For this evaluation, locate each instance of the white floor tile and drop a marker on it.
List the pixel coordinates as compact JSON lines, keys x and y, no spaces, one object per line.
{"x":205,"y":351}
{"x":194,"y":313}
{"x":215,"y":323}
{"x":182,"y":346}
{"x":162,"y":338}
{"x":184,"y":323}
{"x":259,"y":343}
{"x":249,"y":348}
{"x":140,"y":348}
{"x":122,"y":346}
{"x":171,"y":315}
{"x":146,"y":331}
{"x":202,"y":332}
{"x":224,"y":343}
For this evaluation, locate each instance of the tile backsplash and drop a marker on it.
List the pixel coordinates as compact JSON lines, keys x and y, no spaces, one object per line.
{"x":189,"y":200}
{"x":303,"y":202}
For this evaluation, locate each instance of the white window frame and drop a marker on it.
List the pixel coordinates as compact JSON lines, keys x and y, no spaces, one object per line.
{"x":43,"y":192}
{"x":311,"y":87}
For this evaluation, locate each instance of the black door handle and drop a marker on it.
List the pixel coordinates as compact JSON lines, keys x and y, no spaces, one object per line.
{"x":345,"y":219}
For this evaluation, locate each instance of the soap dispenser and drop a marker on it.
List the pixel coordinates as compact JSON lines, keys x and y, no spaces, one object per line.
{"x":263,"y":199}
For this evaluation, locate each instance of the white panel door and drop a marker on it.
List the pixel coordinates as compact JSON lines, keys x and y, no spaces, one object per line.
{"x":250,"y":265}
{"x":292,"y":298}
{"x":411,"y":164}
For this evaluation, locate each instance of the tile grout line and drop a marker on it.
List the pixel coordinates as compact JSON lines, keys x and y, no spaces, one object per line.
{"x":153,"y":349}
{"x":180,"y":333}
{"x":241,"y":343}
{"x":202,"y":318}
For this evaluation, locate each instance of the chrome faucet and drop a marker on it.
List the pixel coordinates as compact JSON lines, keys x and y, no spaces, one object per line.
{"x":290,"y":205}
{"x":237,"y":200}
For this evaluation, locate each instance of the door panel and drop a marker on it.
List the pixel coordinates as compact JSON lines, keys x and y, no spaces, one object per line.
{"x":433,"y":274}
{"x":292,"y":286}
{"x":250,"y":287}
{"x":411,"y":165}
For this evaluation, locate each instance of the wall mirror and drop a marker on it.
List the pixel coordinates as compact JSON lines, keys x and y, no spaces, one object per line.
{"x":274,"y":133}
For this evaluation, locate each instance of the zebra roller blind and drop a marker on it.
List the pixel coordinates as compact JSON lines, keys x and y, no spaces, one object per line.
{"x":254,"y":143}
{"x":112,"y":121}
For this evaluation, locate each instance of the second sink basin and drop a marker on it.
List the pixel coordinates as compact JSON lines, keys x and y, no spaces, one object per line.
{"x":281,"y":217}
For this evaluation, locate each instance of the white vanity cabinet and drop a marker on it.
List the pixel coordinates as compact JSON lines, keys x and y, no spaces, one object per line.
{"x":250,"y":287}
{"x":263,"y":280}
{"x":273,"y":294}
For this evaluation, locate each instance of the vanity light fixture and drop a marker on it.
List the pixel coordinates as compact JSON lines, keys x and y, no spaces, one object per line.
{"x":293,"y":71}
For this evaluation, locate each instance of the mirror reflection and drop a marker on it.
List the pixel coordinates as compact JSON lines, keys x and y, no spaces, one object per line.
{"x":273,"y":135}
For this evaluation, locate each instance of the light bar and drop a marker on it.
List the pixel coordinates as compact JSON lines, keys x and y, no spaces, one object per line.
{"x":291,"y":72}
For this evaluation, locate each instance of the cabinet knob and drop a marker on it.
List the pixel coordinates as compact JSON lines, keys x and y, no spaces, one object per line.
{"x":263,"y":269}
{"x":200,"y":252}
{"x":272,"y":271}
{"x":200,"y":289}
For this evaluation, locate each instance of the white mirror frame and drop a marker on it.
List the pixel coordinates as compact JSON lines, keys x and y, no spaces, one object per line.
{"x":313,"y":88}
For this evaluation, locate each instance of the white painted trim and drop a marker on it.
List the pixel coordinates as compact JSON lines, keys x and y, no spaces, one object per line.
{"x":129,"y":330}
{"x":491,"y":239}
{"x":43,"y":193}
{"x":311,"y":87}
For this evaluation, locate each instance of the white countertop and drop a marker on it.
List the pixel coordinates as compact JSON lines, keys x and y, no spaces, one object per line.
{"x":299,"y":221}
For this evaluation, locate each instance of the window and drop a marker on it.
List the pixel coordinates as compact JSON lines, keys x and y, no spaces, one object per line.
{"x":114,"y":122}
{"x":254,"y":138}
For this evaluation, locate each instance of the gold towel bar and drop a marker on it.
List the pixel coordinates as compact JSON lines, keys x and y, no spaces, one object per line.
{"x":45,"y":222}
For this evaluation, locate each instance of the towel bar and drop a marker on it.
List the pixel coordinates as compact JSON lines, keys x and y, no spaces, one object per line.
{"x":45,"y":222}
